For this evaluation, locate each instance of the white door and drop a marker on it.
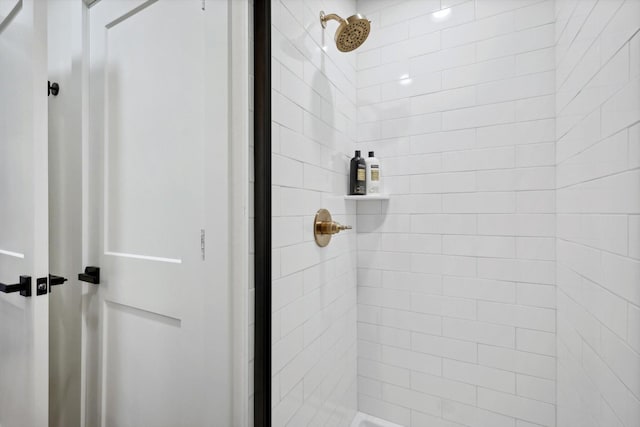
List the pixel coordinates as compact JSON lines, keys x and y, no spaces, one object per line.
{"x":24,"y":321}
{"x":157,"y":341}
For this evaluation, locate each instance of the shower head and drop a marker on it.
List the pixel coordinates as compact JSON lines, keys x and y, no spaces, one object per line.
{"x":352,"y":31}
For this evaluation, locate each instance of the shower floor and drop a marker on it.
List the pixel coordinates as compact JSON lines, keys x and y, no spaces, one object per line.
{"x":364,"y":420}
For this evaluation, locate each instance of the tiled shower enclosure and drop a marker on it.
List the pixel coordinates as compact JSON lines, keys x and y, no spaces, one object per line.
{"x":499,"y":286}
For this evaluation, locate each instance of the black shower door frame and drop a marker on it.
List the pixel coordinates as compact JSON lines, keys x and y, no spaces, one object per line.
{"x":262,"y":212}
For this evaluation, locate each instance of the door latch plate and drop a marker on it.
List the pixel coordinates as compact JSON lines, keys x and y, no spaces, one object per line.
{"x":42,"y":286}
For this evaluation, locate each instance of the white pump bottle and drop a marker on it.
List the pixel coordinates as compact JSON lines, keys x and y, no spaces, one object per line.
{"x":374,"y":183}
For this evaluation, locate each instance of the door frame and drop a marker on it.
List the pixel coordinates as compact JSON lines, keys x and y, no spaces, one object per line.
{"x":239,"y":134}
{"x":240,"y":97}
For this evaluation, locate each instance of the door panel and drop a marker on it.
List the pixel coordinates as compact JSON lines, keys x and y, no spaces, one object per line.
{"x":23,"y":212}
{"x":157,"y":325}
{"x":153,"y":67}
{"x":156,"y":340}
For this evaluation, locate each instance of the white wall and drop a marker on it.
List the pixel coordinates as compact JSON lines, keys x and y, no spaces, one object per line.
{"x":598,"y":202}
{"x":314,"y":289}
{"x":456,"y":273}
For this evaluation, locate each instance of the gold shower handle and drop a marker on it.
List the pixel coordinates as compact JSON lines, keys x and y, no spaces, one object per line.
{"x":331,"y":227}
{"x":324,"y":227}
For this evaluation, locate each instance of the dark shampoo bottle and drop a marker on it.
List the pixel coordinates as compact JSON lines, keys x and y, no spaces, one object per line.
{"x":357,"y":175}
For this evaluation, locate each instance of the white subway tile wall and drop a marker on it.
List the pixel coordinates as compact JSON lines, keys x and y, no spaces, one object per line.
{"x":314,"y":289}
{"x":598,"y":203}
{"x":456,"y":272}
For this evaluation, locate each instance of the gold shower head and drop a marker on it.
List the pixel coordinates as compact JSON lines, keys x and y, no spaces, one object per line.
{"x":352,"y":31}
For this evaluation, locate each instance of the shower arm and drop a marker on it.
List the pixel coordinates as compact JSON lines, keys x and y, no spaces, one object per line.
{"x":332,"y":16}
